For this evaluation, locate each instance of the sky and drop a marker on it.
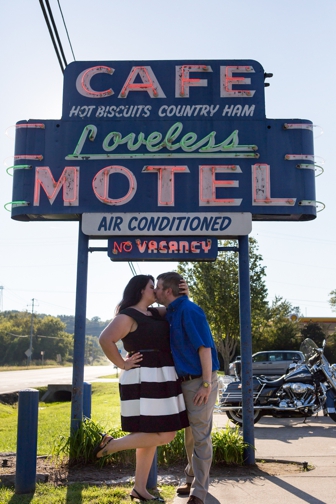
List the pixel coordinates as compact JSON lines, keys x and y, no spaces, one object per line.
{"x":294,"y":40}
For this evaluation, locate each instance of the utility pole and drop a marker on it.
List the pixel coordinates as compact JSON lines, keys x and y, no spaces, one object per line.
{"x":1,"y":297}
{"x":31,"y":333}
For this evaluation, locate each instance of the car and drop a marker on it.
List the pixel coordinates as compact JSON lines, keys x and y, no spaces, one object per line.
{"x":269,"y":363}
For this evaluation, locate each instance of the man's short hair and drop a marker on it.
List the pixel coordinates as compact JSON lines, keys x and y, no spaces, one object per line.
{"x":171,"y":280}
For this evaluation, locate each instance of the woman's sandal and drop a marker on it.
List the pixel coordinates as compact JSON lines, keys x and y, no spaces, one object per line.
{"x":143,"y":499}
{"x":99,"y":446}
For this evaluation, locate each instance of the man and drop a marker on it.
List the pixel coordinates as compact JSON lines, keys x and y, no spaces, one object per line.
{"x":196,"y":363}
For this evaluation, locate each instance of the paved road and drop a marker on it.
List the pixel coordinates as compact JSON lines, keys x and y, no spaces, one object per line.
{"x":13,"y":381}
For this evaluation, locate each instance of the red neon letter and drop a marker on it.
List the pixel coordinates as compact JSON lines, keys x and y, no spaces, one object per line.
{"x":117,"y":247}
{"x":127,"y":246}
{"x":163,"y":247}
{"x":173,"y":247}
{"x":100,"y":185}
{"x":193,"y":246}
{"x":141,"y":246}
{"x":166,"y":192}
{"x":208,"y":185}
{"x":69,"y":180}
{"x":227,"y":81}
{"x":182,"y":81}
{"x":149,"y":83}
{"x":83,"y":85}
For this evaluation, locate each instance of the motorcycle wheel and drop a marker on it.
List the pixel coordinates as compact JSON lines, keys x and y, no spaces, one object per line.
{"x":333,"y":416}
{"x":237,"y":418}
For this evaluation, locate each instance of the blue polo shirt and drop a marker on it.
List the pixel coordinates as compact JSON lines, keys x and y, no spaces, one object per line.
{"x":189,"y":330}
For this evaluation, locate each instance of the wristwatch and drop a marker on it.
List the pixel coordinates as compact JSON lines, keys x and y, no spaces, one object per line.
{"x":206,"y":384}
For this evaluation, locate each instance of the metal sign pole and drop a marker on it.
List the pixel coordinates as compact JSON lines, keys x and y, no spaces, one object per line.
{"x":79,"y":337}
{"x":246,"y":348}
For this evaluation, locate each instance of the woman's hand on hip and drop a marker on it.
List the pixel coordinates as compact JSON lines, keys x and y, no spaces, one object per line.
{"x":133,"y":360}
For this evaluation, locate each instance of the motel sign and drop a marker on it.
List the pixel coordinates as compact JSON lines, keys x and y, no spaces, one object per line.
{"x":164,"y":148}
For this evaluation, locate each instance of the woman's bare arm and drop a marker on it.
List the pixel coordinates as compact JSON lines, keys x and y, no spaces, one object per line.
{"x":116,"y":330}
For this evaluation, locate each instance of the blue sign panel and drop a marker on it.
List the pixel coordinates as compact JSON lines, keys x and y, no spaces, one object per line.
{"x":164,"y":137}
{"x":165,"y":248}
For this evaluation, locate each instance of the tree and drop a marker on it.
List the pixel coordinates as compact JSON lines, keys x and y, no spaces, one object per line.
{"x":14,"y":339}
{"x":332,"y":299}
{"x":48,"y":336}
{"x":315,"y":332}
{"x":276,"y":331}
{"x":330,"y":350}
{"x":93,"y":350}
{"x":214,"y":286}
{"x":51,"y":338}
{"x":93,"y":327}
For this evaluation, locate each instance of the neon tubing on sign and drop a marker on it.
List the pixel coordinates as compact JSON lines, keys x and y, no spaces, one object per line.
{"x":30,"y":125}
{"x":34,"y":157}
{"x":312,"y":166}
{"x":18,"y":167}
{"x":83,"y":82}
{"x":313,"y":203}
{"x":291,"y":126}
{"x":16,"y":204}
{"x":298,"y":157}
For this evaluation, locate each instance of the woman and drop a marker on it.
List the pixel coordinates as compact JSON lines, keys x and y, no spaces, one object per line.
{"x":152,"y":405}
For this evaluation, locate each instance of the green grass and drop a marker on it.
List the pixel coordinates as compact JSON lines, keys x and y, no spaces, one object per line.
{"x":77,"y":494}
{"x":54,"y":418}
{"x":54,"y":423}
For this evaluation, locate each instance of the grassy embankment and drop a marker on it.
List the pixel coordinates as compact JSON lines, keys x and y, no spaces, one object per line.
{"x":54,"y":418}
{"x":54,"y":421}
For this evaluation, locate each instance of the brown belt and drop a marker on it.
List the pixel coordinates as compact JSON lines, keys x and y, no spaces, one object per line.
{"x":143,"y":351}
{"x":189,"y":377}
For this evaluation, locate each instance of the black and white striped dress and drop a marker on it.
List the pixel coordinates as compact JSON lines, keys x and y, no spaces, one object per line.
{"x":151,"y":395}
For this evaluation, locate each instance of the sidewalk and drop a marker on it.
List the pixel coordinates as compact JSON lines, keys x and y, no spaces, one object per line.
{"x":284,"y":439}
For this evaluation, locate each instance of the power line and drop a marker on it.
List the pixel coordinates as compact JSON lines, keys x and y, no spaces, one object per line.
{"x":54,"y":34}
{"x":66,"y":29}
{"x":37,"y":336}
{"x":31,"y":333}
{"x":59,"y":50}
{"x":131,"y":265}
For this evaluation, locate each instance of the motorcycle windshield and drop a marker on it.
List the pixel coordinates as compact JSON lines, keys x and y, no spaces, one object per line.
{"x":308,"y":348}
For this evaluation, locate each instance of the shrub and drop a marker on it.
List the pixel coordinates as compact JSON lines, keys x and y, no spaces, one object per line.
{"x":228,"y":447}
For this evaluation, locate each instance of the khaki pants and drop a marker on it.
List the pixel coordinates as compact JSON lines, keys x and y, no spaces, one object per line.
{"x":197,"y":437}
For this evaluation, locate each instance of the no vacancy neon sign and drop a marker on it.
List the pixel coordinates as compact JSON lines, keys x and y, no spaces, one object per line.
{"x":164,"y":148}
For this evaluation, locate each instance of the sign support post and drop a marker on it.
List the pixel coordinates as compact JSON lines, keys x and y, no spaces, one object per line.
{"x":79,"y":337}
{"x":246,"y":349}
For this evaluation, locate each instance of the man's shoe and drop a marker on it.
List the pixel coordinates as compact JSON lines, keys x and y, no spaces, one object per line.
{"x":194,"y":500}
{"x":184,"y":489}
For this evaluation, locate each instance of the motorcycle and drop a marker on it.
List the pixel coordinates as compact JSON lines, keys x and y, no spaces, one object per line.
{"x":303,"y":391}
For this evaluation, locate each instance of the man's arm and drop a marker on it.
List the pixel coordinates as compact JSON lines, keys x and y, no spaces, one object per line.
{"x":203,"y":393}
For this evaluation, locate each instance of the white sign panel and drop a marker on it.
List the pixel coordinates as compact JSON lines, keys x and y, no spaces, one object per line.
{"x":218,"y":224}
